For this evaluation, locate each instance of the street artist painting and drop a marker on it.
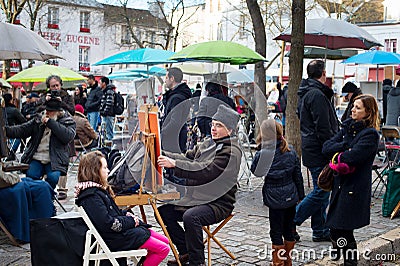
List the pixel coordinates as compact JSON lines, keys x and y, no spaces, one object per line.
{"x":210,"y":172}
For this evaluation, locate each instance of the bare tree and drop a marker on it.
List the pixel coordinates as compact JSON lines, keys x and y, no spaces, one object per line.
{"x":355,"y":11}
{"x":33,"y":8}
{"x":259,"y":70}
{"x":295,"y":73}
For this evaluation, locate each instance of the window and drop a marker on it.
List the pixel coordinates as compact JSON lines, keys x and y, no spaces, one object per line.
{"x":52,"y":18}
{"x":84,"y":22}
{"x":54,"y":62}
{"x":84,"y":64}
{"x":391,"y":45}
{"x":125,"y":35}
{"x":242,"y":26}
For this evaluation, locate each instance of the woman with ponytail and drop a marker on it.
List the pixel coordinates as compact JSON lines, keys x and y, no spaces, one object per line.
{"x":283,"y":187}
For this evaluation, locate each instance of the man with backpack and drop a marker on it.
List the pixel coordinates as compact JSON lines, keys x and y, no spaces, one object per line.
{"x":93,"y":102}
{"x":107,"y":107}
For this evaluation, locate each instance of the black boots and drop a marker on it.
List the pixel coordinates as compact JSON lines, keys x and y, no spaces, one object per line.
{"x":350,"y":254}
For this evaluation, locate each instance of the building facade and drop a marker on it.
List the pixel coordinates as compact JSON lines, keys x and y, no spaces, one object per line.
{"x":85,"y":31}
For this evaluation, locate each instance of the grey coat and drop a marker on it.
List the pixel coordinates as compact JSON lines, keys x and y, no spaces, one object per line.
{"x":393,"y":107}
{"x":62,"y":133}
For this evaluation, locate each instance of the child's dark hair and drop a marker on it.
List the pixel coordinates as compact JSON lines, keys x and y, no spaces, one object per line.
{"x":269,"y":130}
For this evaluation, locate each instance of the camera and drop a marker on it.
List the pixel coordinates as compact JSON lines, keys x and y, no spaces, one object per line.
{"x":55,"y":94}
{"x":38,"y":117}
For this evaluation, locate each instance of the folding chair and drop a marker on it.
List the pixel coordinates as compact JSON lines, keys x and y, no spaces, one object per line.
{"x":379,"y":166}
{"x":80,"y":149}
{"x":211,"y":235}
{"x":392,"y":148}
{"x":8,"y":234}
{"x":102,"y":252}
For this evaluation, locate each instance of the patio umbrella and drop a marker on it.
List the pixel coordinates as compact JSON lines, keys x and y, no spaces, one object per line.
{"x":333,"y":34}
{"x":241,"y":76}
{"x":218,"y":51}
{"x":193,"y":68}
{"x":145,"y":56}
{"x":374,"y":58}
{"x":18,"y":42}
{"x":40,"y":73}
{"x":5,"y":84}
{"x":315,"y":53}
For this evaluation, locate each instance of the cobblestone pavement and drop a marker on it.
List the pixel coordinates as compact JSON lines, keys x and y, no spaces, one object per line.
{"x":246,"y":235}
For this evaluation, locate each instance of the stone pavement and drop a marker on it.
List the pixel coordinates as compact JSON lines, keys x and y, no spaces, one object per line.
{"x":247,"y":234}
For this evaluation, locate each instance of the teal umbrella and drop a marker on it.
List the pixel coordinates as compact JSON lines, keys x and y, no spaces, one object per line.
{"x":131,"y":74}
{"x":374,"y":57}
{"x":145,"y":56}
{"x":218,"y":51}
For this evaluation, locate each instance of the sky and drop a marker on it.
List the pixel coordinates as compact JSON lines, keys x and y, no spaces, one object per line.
{"x":139,"y":4}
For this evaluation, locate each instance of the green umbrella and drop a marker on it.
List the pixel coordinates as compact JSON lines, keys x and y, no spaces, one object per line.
{"x":321,"y":53}
{"x":40,"y":73}
{"x":218,"y":51}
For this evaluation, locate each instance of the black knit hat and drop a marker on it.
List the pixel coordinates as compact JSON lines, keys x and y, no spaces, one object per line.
{"x":227,"y":116}
{"x":53,"y":105}
{"x":349,"y":87}
{"x":7,"y":97}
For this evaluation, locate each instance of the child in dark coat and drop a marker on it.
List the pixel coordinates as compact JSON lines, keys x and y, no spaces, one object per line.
{"x":283,"y":187}
{"x":121,"y":230}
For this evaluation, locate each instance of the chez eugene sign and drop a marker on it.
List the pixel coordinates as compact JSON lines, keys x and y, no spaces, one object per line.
{"x":56,"y":37}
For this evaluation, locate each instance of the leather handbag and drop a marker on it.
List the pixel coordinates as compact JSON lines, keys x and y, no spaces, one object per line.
{"x":325,"y":178}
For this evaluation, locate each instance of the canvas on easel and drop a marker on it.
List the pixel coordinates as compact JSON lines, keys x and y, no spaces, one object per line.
{"x":148,"y":123}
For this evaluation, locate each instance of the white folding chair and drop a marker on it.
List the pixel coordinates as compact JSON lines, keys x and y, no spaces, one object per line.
{"x":100,"y":249}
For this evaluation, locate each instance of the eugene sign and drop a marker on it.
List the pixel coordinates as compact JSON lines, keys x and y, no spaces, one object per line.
{"x":51,"y":36}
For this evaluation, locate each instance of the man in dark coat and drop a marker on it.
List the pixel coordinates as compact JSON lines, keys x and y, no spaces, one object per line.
{"x":14,"y":117}
{"x":318,"y":123}
{"x":393,"y":106}
{"x":107,"y":107}
{"x":209,"y":105}
{"x":210,"y":170}
{"x":93,"y":102}
{"x":47,"y":150}
{"x":386,"y":87}
{"x":176,"y":111}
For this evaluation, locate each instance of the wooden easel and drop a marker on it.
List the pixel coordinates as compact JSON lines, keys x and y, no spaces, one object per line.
{"x":142,"y":199}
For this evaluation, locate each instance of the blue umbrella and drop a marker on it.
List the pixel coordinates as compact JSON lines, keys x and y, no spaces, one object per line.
{"x":145,"y":56}
{"x":132,"y":74}
{"x":374,"y":58}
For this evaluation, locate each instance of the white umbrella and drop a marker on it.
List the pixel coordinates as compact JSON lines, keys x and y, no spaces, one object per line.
{"x":18,"y":42}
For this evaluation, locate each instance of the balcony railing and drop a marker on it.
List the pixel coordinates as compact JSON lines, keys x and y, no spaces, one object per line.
{"x":85,"y":67}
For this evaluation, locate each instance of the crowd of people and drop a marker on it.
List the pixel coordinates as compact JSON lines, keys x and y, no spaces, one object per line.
{"x":209,"y":170}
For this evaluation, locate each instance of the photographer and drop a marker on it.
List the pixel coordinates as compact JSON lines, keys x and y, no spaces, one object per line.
{"x":54,"y":84}
{"x":47,"y":150}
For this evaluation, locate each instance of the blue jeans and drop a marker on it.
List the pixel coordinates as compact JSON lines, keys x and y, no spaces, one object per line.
{"x":37,"y":170}
{"x":314,"y":205}
{"x":93,"y":118}
{"x":109,"y":121}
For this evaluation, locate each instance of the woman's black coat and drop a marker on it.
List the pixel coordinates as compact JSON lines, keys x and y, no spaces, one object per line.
{"x":351,"y":194}
{"x":117,"y":229}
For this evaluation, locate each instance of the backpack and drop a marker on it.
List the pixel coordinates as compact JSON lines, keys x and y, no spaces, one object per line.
{"x":118,"y":103}
{"x":126,"y":173}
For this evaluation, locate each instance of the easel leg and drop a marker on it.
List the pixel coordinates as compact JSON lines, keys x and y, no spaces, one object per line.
{"x":160,"y":221}
{"x":141,"y":208}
